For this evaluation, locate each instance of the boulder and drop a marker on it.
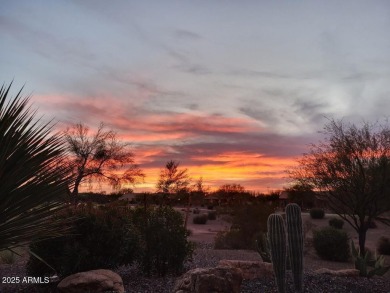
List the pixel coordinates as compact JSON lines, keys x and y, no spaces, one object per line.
{"x":250,"y":269}
{"x":340,"y":273}
{"x":92,"y":281}
{"x":216,"y":280}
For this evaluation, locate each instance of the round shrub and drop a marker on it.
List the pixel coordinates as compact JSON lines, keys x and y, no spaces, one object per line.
{"x":200,"y":220}
{"x":164,"y":247}
{"x":229,"y":240}
{"x":100,"y":238}
{"x":336,"y":223}
{"x":383,"y":245}
{"x":247,"y":222}
{"x":331,"y":244}
{"x":317,"y":213}
{"x":212,"y":215}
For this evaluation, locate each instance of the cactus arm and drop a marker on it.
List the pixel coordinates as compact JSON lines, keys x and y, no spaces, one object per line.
{"x":278,"y":249}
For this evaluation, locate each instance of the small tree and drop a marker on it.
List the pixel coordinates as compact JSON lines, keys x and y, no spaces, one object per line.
{"x":198,"y":191}
{"x":351,"y":168}
{"x":303,"y":194}
{"x":172,"y":179}
{"x":99,"y":157}
{"x":233,"y":193}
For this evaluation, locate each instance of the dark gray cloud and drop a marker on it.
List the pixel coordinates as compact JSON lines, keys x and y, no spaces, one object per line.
{"x":187,"y":35}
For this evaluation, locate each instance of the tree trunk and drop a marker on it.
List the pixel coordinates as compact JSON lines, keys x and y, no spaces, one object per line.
{"x":75,"y":191}
{"x":362,"y":240}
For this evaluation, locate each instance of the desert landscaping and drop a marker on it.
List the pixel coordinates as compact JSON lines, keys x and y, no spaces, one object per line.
{"x":194,"y":147}
{"x":323,"y":275}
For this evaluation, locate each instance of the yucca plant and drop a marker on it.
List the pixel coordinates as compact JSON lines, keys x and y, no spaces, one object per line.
{"x":33,"y":182}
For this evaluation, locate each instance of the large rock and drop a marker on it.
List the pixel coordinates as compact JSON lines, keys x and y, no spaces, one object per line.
{"x":215,"y":280}
{"x":340,"y":273}
{"x":92,"y":281}
{"x":249,"y":269}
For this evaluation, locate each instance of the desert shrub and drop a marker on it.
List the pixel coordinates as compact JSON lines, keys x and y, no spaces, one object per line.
{"x":317,"y":213}
{"x":200,"y":220}
{"x":212,"y":215}
{"x":228,"y":240}
{"x":331,"y":244}
{"x":336,"y":223}
{"x":247,"y":222}
{"x":383,"y":245}
{"x":100,"y":238}
{"x":163,"y":240}
{"x":98,"y":197}
{"x":263,"y":248}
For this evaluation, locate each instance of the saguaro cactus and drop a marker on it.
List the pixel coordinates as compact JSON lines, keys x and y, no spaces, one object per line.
{"x":277,"y":242}
{"x":278,"y":246}
{"x":295,"y":244}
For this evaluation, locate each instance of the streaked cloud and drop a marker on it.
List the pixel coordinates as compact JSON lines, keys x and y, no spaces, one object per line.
{"x":234,"y":91}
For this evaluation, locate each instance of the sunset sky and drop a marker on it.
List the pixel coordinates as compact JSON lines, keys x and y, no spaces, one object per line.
{"x":234,"y":90}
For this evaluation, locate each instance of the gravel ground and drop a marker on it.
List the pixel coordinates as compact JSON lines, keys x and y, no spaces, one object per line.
{"x":205,"y":256}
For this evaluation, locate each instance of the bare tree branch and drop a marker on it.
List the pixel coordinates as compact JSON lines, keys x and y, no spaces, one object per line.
{"x":351,"y":166}
{"x":99,"y":156}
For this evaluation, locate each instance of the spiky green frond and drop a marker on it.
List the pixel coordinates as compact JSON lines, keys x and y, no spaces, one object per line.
{"x":33,"y":183}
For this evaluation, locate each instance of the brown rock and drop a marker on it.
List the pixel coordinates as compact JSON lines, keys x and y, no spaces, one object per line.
{"x":216,"y":280}
{"x":92,"y":281}
{"x":249,"y":269}
{"x":340,"y":273}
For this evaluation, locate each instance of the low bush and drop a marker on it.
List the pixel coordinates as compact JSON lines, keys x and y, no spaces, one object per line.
{"x":248,"y":221}
{"x":110,"y":236}
{"x":331,"y":244}
{"x":98,"y":197}
{"x":212,"y":215}
{"x":383,"y":245}
{"x":100,"y":239}
{"x":317,"y":213}
{"x":229,"y":240}
{"x":336,"y":223}
{"x":164,"y":247}
{"x":200,"y":220}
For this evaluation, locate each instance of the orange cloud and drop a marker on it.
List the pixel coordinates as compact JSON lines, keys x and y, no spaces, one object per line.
{"x":249,"y":156}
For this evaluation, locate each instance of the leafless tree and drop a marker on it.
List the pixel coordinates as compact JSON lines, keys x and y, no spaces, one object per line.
{"x":99,"y":156}
{"x":351,"y":168}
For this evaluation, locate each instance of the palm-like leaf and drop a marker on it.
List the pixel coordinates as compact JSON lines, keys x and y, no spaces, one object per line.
{"x":32,"y":182}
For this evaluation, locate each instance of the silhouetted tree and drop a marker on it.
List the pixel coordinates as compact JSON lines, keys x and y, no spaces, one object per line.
{"x":352,"y":169}
{"x":232,"y":193}
{"x":198,"y":191}
{"x":172,"y":179}
{"x":302,"y":194}
{"x":99,"y":157}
